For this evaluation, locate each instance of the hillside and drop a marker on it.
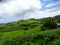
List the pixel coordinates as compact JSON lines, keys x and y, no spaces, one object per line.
{"x":20,"y":25}
{"x":57,"y":17}
{"x":25,"y":24}
{"x":31,"y":37}
{"x":30,"y":32}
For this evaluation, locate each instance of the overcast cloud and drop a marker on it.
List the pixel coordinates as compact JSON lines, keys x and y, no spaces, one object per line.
{"x":14,"y":10}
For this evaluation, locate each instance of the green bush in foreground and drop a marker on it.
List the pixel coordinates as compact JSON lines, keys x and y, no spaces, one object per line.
{"x":50,"y":37}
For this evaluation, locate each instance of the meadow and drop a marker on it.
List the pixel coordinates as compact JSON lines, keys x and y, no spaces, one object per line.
{"x":30,"y":32}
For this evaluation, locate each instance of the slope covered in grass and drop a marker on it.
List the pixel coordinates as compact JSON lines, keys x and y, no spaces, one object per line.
{"x":21,"y":25}
{"x":30,"y":32}
{"x":31,"y":37}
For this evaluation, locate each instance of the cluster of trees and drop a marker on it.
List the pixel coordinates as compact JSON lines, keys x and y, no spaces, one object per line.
{"x":49,"y":23}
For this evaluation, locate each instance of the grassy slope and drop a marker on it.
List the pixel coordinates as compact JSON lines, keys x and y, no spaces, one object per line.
{"x":21,"y":33}
{"x":23,"y":25}
{"x":41,"y":37}
{"x":28,"y":33}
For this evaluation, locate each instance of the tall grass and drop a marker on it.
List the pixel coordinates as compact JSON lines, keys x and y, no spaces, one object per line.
{"x":31,"y":37}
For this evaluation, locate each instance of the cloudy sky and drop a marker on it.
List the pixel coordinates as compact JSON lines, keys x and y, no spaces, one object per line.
{"x":14,"y":10}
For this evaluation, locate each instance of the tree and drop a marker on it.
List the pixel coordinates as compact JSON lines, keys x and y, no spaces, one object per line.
{"x":50,"y":23}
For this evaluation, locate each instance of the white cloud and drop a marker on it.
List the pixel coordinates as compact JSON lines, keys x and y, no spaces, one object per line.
{"x":14,"y":10}
{"x":40,"y":14}
{"x":18,"y":5}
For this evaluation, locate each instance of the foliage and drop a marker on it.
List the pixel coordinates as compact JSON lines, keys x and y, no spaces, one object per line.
{"x":31,"y":37}
{"x":57,"y":20}
{"x":20,"y":25}
{"x":30,"y":32}
{"x":49,"y":23}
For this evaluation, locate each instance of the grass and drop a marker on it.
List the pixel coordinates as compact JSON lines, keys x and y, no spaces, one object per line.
{"x":30,"y":36}
{"x":28,"y":32}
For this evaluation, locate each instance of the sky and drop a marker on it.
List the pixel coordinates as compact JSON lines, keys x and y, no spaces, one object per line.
{"x":14,"y":10}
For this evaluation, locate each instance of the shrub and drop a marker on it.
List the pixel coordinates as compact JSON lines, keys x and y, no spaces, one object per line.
{"x":42,"y":28}
{"x":49,"y":23}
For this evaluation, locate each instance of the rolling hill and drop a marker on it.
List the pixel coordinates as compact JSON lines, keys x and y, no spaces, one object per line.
{"x":28,"y":32}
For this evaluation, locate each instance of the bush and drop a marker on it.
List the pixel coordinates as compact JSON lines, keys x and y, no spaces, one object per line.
{"x":42,"y":28}
{"x":49,"y":23}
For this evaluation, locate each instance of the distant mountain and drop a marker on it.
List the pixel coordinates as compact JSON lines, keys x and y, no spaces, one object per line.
{"x":57,"y":17}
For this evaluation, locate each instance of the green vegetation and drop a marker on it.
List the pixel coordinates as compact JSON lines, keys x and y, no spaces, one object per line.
{"x":21,"y":25}
{"x":30,"y":32}
{"x":31,"y":37}
{"x":50,"y":23}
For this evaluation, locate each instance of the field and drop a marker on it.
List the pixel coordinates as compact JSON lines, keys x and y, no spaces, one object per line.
{"x":30,"y":37}
{"x":29,"y":32}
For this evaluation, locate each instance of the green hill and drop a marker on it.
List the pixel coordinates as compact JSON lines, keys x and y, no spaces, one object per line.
{"x":57,"y":17}
{"x":29,"y":32}
{"x":20,"y":25}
